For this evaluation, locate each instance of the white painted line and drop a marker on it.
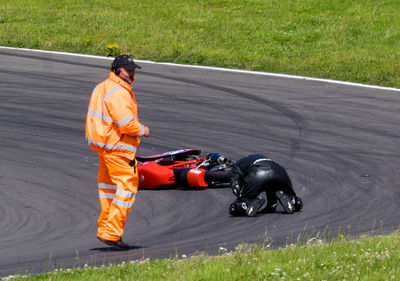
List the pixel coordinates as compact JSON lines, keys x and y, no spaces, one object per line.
{"x":217,"y":69}
{"x":56,"y":53}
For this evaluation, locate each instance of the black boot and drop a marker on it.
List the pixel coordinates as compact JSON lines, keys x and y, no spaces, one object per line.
{"x":285,"y":201}
{"x":254,"y":206}
{"x":120,"y":245}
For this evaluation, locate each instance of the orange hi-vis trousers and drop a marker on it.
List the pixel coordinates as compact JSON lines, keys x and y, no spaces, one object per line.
{"x":117,"y":184}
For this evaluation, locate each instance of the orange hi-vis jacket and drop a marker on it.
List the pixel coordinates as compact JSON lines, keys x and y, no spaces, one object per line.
{"x":112,"y":125}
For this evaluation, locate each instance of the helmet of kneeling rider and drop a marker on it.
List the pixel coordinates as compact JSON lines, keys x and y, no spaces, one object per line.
{"x":297,"y":203}
{"x":238,"y":208}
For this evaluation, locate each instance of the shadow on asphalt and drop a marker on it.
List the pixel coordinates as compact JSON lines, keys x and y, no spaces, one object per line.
{"x":113,"y":249}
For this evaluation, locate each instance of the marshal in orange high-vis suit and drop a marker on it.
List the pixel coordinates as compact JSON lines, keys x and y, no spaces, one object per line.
{"x":114,"y":131}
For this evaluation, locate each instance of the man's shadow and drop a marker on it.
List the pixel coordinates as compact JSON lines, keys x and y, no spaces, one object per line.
{"x":114,"y":249}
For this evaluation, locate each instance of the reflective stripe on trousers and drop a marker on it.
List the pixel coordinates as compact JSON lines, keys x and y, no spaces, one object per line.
{"x":117,"y":186}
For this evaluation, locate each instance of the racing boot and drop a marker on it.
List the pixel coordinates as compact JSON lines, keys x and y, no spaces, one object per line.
{"x":254,"y":206}
{"x":120,"y":245}
{"x":285,"y":201}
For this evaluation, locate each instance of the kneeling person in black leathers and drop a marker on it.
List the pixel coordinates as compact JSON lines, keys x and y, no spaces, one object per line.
{"x":252,"y":175}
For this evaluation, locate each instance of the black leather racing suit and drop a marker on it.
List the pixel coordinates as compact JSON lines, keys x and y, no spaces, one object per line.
{"x":252,"y":175}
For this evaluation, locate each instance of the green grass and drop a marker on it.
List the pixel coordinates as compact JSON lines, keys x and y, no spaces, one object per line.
{"x":368,"y":258}
{"x":355,"y":40}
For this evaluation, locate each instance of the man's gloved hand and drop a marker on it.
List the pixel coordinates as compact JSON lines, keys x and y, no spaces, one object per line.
{"x":146,"y":131}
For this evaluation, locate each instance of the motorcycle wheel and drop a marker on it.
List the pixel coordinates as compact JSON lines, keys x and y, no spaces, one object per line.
{"x":217,"y":177}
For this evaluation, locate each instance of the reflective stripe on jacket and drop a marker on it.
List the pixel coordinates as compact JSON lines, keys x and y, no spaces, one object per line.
{"x":112,"y":124}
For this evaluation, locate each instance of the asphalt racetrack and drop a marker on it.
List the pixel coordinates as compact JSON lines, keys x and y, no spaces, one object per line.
{"x":339,"y":143}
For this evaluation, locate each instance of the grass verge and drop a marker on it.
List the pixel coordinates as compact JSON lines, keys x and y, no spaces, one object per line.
{"x":368,"y":258}
{"x":345,"y":40}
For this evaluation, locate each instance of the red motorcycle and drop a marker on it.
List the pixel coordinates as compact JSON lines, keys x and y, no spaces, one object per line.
{"x":184,"y":168}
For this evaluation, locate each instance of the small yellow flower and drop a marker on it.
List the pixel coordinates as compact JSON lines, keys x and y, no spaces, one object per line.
{"x":111,"y":46}
{"x":113,"y":50}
